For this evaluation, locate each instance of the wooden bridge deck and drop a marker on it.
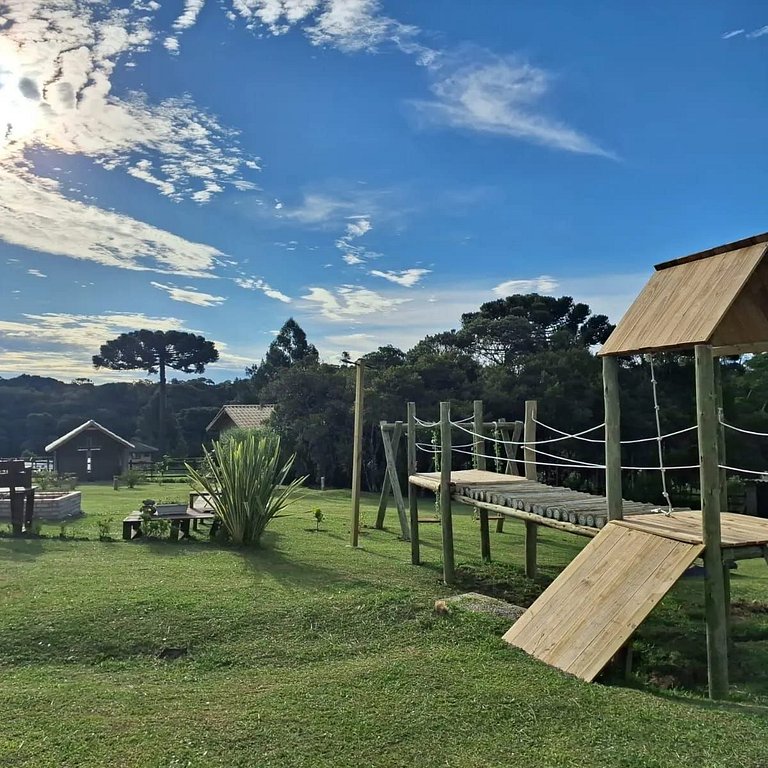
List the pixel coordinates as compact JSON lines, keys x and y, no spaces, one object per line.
{"x":547,"y":502}
{"x":585,"y":514}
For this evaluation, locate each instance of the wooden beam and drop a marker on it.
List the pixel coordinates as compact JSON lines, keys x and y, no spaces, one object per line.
{"x":729,"y":350}
{"x":613,"y":498}
{"x":413,"y":500}
{"x":519,"y":514}
{"x":531,"y":531}
{"x":394,"y":483}
{"x":714,"y":586}
{"x":718,"y":370}
{"x":386,"y":486}
{"x":446,"y":520}
{"x":485,"y":534}
{"x":357,"y":453}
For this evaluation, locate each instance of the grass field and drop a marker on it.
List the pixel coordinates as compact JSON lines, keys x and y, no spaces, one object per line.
{"x":309,"y":653}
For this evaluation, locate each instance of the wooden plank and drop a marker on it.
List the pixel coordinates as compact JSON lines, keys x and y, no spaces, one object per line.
{"x":683,"y":304}
{"x":590,"y":611}
{"x":386,"y":486}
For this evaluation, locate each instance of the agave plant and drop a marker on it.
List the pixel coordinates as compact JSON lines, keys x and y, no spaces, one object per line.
{"x":246,"y":482}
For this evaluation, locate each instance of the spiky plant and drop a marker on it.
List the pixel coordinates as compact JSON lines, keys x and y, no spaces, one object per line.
{"x":246,"y":482}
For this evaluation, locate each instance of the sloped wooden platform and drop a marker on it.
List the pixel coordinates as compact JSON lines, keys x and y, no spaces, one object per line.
{"x":587,"y":614}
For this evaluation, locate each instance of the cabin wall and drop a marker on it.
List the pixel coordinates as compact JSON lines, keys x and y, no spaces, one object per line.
{"x":110,"y":459}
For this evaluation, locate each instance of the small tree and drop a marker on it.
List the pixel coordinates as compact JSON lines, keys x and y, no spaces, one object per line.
{"x":154,"y":352}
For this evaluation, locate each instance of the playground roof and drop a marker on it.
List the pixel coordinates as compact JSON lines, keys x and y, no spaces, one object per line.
{"x":717,"y":297}
{"x":90,"y":424}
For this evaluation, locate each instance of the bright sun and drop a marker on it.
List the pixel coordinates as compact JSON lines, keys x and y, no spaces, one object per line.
{"x":20,"y":112}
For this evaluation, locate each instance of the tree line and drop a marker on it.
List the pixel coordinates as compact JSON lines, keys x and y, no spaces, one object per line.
{"x":510,"y":350}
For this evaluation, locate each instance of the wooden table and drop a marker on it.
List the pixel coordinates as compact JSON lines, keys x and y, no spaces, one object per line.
{"x":180,"y":523}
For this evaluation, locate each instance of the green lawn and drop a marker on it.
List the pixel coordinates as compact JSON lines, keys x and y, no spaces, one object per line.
{"x":309,"y":653}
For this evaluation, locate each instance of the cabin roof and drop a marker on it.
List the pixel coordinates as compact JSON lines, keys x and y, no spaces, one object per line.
{"x":243,"y":416}
{"x":718,"y":297}
{"x":90,"y":424}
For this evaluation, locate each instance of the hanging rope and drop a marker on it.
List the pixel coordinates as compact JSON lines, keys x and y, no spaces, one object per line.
{"x":659,"y":439}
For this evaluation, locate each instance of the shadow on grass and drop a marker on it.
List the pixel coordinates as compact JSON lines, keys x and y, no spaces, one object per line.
{"x":21,"y":548}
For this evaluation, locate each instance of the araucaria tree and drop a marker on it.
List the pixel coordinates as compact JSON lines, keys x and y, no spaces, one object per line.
{"x":155,"y":352}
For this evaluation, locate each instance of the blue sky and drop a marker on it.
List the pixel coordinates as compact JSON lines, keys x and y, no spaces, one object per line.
{"x":372,"y":169}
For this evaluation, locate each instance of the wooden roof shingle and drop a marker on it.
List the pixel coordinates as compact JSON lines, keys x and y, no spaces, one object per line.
{"x":243,"y":416}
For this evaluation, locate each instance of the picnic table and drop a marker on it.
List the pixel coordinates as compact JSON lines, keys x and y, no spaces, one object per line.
{"x":180,"y":520}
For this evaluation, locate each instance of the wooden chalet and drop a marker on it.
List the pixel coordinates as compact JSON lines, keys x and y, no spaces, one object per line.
{"x":91,"y":452}
{"x":239,"y":416}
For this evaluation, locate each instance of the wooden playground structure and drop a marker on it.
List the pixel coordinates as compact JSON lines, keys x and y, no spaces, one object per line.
{"x":714,"y":303}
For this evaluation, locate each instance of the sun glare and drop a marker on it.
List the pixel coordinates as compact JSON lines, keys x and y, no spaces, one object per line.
{"x":20,"y":111}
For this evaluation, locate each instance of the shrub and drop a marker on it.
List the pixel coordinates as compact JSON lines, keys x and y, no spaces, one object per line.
{"x":132,"y":477}
{"x":245,"y":479}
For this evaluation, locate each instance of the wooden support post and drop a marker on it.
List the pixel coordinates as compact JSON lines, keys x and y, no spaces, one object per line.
{"x":357,"y":453}
{"x":485,"y":535}
{"x":714,"y":584}
{"x":386,"y":486}
{"x":394,"y":483}
{"x":446,"y":520}
{"x":718,"y":370}
{"x":612,"y":438}
{"x":531,"y":529}
{"x":413,"y":500}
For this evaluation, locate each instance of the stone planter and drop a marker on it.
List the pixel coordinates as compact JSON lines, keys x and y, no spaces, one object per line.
{"x":49,"y":505}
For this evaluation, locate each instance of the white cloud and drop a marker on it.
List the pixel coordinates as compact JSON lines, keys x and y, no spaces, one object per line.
{"x":349,"y":303}
{"x":406,"y":277}
{"x":359,"y":226}
{"x":499,"y":95}
{"x":543,"y":284}
{"x":36,"y":273}
{"x":318,"y":208}
{"x":62,"y":344}
{"x":257,"y":284}
{"x":352,"y":259}
{"x":733,"y":33}
{"x":171,"y":44}
{"x":190,"y":295}
{"x":758,"y":32}
{"x":58,"y":63}
{"x":189,"y":16}
{"x":33,"y":211}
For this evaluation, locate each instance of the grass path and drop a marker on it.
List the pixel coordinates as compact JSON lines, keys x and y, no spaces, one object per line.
{"x":307,"y":653}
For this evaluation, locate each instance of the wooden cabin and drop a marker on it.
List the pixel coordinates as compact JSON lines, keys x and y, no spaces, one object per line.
{"x":239,"y":416}
{"x":91,"y":452}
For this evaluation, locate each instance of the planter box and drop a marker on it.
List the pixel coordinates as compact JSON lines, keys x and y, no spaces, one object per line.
{"x":49,"y":505}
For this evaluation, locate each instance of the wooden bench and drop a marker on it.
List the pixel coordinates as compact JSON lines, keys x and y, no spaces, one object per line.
{"x":180,"y":523}
{"x":16,"y":484}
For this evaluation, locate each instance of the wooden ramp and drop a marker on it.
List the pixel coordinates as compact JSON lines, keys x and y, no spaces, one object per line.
{"x":587,"y":614}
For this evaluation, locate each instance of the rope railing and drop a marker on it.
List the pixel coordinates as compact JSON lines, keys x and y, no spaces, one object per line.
{"x":740,"y":469}
{"x":742,"y":430}
{"x":530,"y":442}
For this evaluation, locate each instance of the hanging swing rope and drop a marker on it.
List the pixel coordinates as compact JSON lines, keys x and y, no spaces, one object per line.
{"x":659,"y":440}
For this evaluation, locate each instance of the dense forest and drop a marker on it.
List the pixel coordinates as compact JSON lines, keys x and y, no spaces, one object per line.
{"x":510,"y":350}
